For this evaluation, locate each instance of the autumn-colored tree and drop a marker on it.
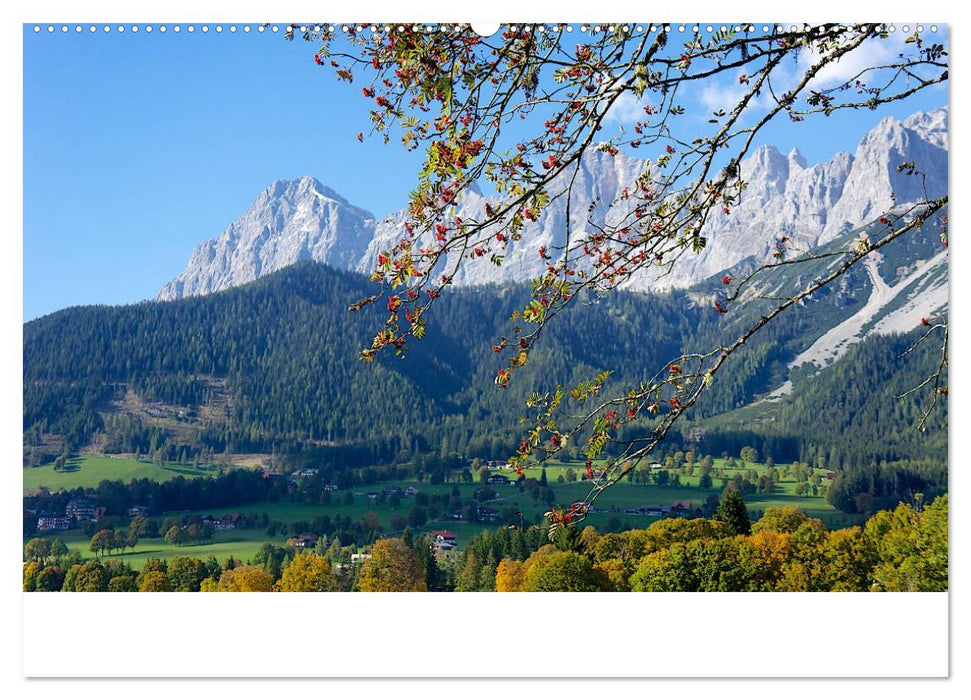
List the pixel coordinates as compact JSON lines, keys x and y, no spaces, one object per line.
{"x":768,"y":554}
{"x":850,"y":558}
{"x":726,"y":564}
{"x":90,"y":577}
{"x":393,"y":566}
{"x":807,"y":570}
{"x":613,"y":575}
{"x":308,"y":572}
{"x":562,"y":571}
{"x":155,"y":582}
{"x":509,"y":576}
{"x":122,"y":584}
{"x":523,"y":110}
{"x":589,"y":538}
{"x":244,"y":579}
{"x":780,"y":519}
{"x":50,"y":578}
{"x":31,"y":569}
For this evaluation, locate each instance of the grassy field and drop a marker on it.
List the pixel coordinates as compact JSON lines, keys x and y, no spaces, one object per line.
{"x":243,"y":544}
{"x":618,"y":497}
{"x":240,"y":544}
{"x":90,"y":470}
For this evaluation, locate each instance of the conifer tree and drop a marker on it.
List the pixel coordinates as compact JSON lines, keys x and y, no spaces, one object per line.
{"x":732,"y":511}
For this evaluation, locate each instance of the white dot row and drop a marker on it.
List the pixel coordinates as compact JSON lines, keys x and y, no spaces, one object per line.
{"x":205,"y":28}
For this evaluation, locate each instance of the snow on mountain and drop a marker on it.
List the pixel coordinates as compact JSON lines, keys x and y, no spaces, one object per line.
{"x":895,"y":308}
{"x":811,"y":204}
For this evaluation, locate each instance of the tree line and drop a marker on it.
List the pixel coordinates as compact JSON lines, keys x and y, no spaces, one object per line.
{"x":904,"y":549}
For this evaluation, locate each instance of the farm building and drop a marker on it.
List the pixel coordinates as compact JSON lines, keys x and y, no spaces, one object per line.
{"x":303,"y":541}
{"x":80,"y":509}
{"x":56,"y":522}
{"x":227,"y":521}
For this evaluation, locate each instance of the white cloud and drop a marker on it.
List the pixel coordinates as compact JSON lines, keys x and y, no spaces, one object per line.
{"x":627,"y":109}
{"x":871,"y":53}
{"x":721,"y":95}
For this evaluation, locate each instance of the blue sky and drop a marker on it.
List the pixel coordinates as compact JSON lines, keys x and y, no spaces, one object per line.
{"x":139,"y":146}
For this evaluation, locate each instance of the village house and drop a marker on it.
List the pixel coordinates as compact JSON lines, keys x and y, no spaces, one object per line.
{"x":48,"y":523}
{"x":411,"y":492}
{"x":303,"y":541}
{"x":680,"y":508}
{"x":331,"y":487}
{"x":135,"y":511}
{"x":499,"y":479}
{"x":308,"y":472}
{"x":444,"y":540}
{"x":489,"y":515}
{"x":80,"y":509}
{"x":229,"y":521}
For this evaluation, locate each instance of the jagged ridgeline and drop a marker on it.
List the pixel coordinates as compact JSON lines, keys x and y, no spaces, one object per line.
{"x":273,"y":365}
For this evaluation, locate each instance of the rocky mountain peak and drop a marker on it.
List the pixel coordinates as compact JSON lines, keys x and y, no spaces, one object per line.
{"x":301,"y":218}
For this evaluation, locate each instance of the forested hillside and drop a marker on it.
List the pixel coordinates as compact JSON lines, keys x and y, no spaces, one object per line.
{"x":273,"y":366}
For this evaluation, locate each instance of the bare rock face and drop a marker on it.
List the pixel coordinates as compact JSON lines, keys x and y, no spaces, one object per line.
{"x":291,"y":220}
{"x":295,"y":220}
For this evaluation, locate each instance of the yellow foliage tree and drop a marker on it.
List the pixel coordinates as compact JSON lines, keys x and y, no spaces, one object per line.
{"x":509,"y":576}
{"x":30,"y":575}
{"x":393,"y":566}
{"x":155,"y":582}
{"x":772,"y":551}
{"x":780,"y":519}
{"x":308,"y":572}
{"x":245,"y":579}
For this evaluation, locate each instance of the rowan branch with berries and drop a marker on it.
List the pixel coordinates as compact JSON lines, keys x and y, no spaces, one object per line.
{"x":521,"y":110}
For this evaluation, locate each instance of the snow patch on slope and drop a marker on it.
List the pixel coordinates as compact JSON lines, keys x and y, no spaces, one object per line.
{"x":921,"y":302}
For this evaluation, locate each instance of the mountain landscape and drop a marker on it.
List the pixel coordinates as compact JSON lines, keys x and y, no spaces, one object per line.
{"x":750,"y":393}
{"x":295,"y":220}
{"x":250,"y":350}
{"x":302,"y":219}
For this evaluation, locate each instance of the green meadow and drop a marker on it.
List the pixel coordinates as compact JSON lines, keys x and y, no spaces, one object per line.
{"x":243,"y":544}
{"x":240,"y":544}
{"x":90,"y":470}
